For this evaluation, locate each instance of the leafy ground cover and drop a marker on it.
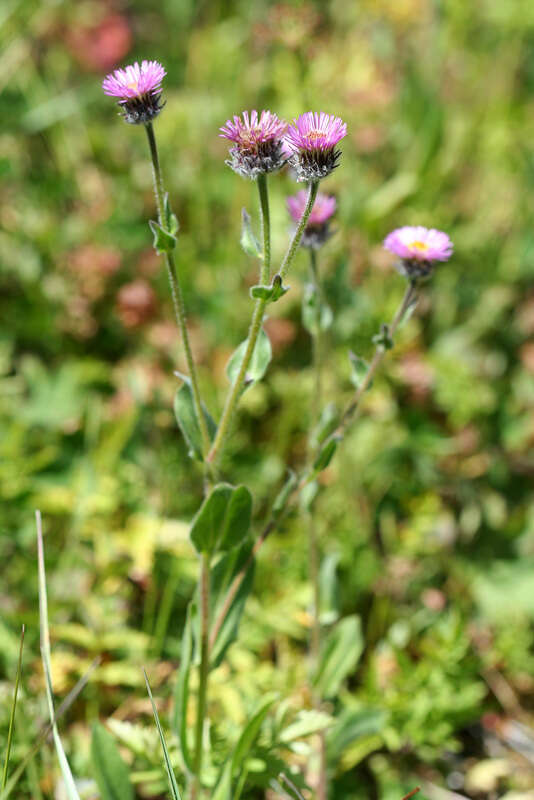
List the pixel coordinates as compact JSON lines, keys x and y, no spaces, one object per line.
{"x":427,"y":524}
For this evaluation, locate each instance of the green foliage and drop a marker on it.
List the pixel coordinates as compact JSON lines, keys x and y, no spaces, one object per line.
{"x":259,"y":362}
{"x":426,"y":506}
{"x":110,"y":771}
{"x":223,"y":519}
{"x":184,"y":411}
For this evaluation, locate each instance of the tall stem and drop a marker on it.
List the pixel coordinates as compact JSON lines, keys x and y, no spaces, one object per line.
{"x":265,"y":216}
{"x":176,"y":291}
{"x":297,"y":236}
{"x":348,"y":416}
{"x":204,"y":602}
{"x":257,"y":315}
{"x":314,"y":552}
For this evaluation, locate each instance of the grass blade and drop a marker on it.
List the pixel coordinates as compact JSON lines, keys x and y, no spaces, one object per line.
{"x":13,"y":709}
{"x":70,"y":786}
{"x":168,"y":766}
{"x":46,"y":730}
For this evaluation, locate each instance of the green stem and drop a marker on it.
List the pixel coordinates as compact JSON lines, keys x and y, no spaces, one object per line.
{"x":265,"y":229}
{"x":302,"y":482}
{"x":204,"y":601}
{"x":176,"y":291}
{"x":297,"y":236}
{"x":314,"y":552}
{"x":257,"y":315}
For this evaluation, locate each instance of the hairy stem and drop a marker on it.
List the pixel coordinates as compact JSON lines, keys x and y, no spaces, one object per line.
{"x":259,"y":309}
{"x":408,"y":299}
{"x":301,"y":227}
{"x":204,"y":602}
{"x":176,"y":291}
{"x":265,"y":229}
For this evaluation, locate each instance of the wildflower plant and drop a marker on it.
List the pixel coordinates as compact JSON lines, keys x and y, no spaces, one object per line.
{"x":221,"y":530}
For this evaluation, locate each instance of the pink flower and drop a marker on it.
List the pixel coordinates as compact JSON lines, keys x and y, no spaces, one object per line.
{"x":134,"y":80}
{"x":419,"y":244}
{"x":323,"y":208}
{"x":315,"y":131}
{"x":138,"y":88}
{"x":249,"y":132}
{"x":317,"y":230}
{"x":258,"y":143}
{"x":312,"y":138}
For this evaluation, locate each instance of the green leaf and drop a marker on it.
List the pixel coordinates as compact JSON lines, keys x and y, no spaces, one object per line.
{"x":325,"y":455}
{"x":329,"y":589}
{"x":250,"y":733}
{"x":359,"y":370}
{"x":306,"y":724}
{"x":258,"y":363}
{"x":223,"y":789}
{"x":237,"y":519}
{"x":270,"y":293}
{"x":13,"y":710}
{"x":383,"y":338}
{"x":249,"y":243}
{"x":110,"y":772}
{"x":181,"y":695}
{"x":223,"y":519}
{"x":184,"y":411}
{"x":164,"y":242}
{"x":170,"y":218}
{"x":175,"y":792}
{"x":328,"y":422}
{"x":222,"y":576}
{"x":70,"y":786}
{"x":283,"y":496}
{"x":351,"y":725}
{"x":208,"y":522}
{"x":340,"y":654}
{"x":308,"y":494}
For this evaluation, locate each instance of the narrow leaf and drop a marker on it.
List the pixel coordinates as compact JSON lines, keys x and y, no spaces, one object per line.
{"x":249,"y":243}
{"x":111,"y":773}
{"x":13,"y":709}
{"x":325,"y":455}
{"x":250,"y":733}
{"x":340,"y":654}
{"x":184,"y":411}
{"x":70,"y":786}
{"x":175,"y":792}
{"x":359,"y":370}
{"x":222,"y":576}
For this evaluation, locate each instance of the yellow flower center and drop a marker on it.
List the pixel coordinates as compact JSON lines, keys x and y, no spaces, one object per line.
{"x":422,"y":246}
{"x":313,"y":136}
{"x":133,"y":85}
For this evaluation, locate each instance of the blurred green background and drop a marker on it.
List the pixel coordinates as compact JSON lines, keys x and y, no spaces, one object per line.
{"x":428,"y":519}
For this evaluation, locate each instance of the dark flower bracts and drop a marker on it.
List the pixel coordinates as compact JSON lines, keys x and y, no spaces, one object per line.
{"x":257,"y":142}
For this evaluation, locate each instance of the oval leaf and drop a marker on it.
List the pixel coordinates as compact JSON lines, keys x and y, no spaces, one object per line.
{"x":339,"y":656}
{"x":258,"y":363}
{"x":237,"y":519}
{"x":208,"y":522}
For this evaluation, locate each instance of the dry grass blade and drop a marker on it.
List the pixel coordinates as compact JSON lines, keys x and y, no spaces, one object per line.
{"x":70,"y":786}
{"x":13,"y":709}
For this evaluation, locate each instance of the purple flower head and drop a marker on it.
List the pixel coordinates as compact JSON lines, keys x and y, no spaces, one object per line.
{"x":258,"y":143}
{"x":312,"y":138}
{"x":418,"y":248}
{"x":138,"y":87}
{"x":317,"y":230}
